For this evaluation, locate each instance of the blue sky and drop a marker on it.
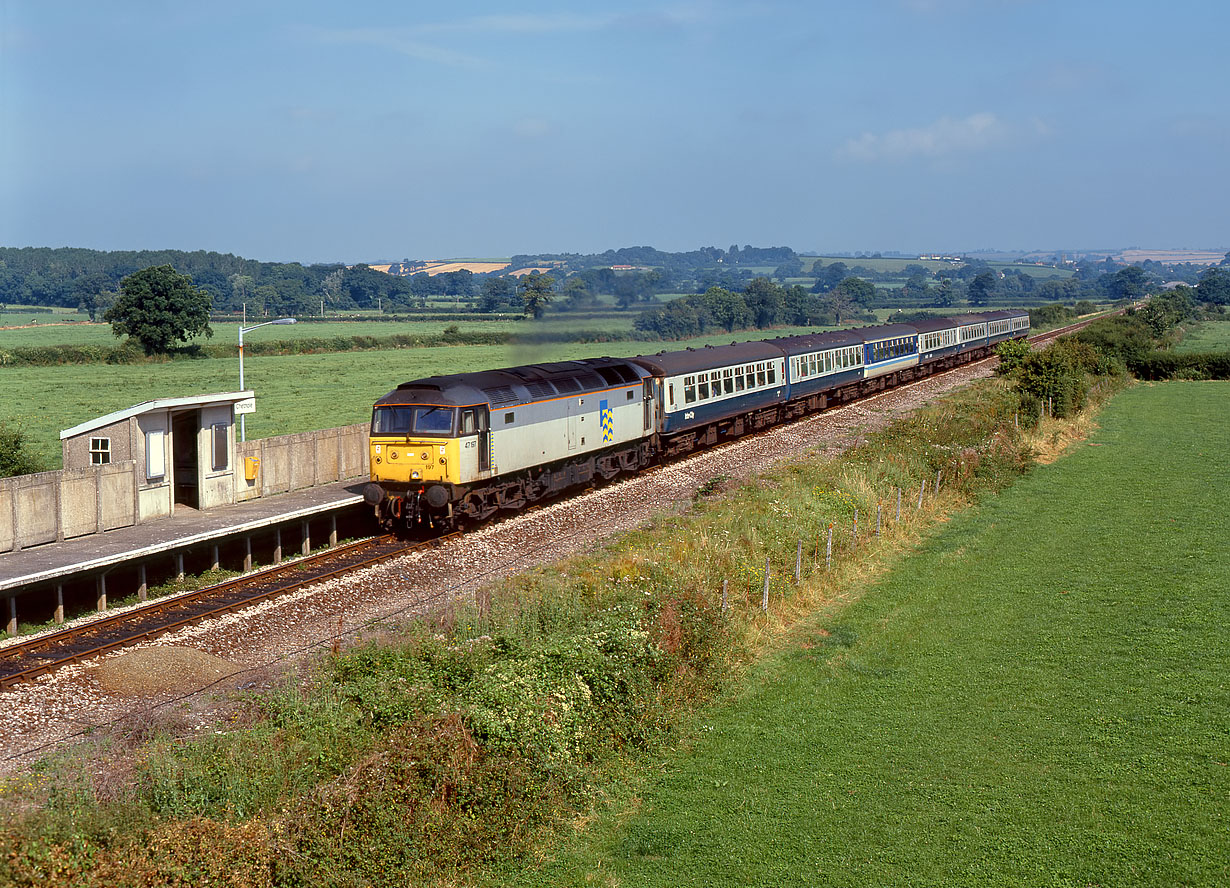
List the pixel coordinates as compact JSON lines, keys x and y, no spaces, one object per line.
{"x":361,"y":131}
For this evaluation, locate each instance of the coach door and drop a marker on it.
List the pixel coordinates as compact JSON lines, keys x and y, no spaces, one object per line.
{"x":647,"y":397}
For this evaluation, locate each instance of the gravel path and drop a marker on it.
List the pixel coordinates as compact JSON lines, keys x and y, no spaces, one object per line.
{"x":260,"y":643}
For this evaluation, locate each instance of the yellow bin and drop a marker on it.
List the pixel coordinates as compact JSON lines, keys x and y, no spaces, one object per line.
{"x":251,"y":467}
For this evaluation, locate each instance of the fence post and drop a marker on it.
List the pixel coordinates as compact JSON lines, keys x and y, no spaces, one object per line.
{"x":921,"y":489}
{"x":798,"y":563}
{"x":854,"y":535}
{"x":877,"y":517}
{"x":828,"y":550}
{"x":898,"y":504}
{"x":936,"y":492}
{"x":764,"y":601}
{"x":725,"y":582}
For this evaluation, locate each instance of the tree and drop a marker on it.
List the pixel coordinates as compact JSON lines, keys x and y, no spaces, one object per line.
{"x":858,"y":291}
{"x":1214,"y":286}
{"x":981,"y":288}
{"x":499,"y":293}
{"x":1129,"y":283}
{"x":159,"y":307}
{"x":536,"y":289}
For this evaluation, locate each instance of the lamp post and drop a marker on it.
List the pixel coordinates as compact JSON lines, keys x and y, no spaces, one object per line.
{"x":243,"y":431}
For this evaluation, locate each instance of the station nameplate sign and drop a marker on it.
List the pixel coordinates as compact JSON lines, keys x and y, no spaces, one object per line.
{"x":245,"y":406}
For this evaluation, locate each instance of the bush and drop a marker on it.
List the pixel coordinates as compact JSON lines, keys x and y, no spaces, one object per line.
{"x":1012,"y":353}
{"x":1124,"y":338}
{"x":1168,"y":365}
{"x":1056,"y":376}
{"x":14,"y":458}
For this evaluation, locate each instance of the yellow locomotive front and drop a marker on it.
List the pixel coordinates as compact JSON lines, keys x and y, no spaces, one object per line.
{"x":415,"y":462}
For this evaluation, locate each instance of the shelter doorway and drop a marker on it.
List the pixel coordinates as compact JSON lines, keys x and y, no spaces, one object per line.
{"x":184,"y":429}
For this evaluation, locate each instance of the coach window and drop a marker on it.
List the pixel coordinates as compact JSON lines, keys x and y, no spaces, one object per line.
{"x":773,"y":373}
{"x":728,"y":381}
{"x":738,"y":379}
{"x":689,"y":389}
{"x":703,"y":392}
{"x":760,"y":374}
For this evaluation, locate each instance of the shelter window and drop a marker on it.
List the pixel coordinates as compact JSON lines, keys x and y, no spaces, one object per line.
{"x":155,"y":454}
{"x":100,"y":451}
{"x":221,"y":446}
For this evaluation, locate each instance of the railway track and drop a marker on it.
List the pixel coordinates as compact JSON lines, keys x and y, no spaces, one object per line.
{"x":25,"y":660}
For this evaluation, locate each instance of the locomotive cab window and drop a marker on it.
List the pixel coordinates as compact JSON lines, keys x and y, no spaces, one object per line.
{"x":429,"y":421}
{"x":469,"y":423}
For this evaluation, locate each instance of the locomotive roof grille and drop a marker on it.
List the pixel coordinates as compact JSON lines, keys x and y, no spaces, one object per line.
{"x":540,"y":388}
{"x":501,"y":395}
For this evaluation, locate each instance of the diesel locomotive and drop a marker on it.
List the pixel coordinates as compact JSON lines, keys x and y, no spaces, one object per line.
{"x":459,"y":448}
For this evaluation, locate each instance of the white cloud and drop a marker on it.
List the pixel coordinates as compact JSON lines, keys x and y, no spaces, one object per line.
{"x":945,"y":136}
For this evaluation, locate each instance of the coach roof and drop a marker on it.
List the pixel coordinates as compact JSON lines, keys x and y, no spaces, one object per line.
{"x":693,"y":360}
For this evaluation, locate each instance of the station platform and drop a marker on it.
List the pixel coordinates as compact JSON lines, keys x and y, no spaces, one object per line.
{"x":95,"y":554}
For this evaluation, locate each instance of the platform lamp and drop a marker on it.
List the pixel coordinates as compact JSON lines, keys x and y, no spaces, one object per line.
{"x":243,"y":432}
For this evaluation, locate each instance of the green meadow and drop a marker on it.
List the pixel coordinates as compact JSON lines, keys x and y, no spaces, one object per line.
{"x":1037,"y":696}
{"x":295,"y":393}
{"x":1209,"y":336}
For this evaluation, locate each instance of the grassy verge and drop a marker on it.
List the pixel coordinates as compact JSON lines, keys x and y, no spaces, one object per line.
{"x":451,"y":749}
{"x":1036,"y":697}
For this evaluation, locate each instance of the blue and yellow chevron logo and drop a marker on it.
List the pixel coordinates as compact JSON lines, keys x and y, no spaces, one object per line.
{"x":607,"y":417}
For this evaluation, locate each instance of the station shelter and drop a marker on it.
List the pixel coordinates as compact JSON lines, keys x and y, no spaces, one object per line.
{"x":184,"y":449}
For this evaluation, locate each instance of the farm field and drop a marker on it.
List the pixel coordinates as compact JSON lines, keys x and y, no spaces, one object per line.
{"x":228,"y":333}
{"x":295,"y":393}
{"x":1210,"y":336}
{"x":1035,"y":697}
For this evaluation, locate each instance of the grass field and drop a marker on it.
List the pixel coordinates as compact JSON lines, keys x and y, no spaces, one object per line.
{"x":295,"y":393}
{"x":1037,"y":697}
{"x":1210,"y":336}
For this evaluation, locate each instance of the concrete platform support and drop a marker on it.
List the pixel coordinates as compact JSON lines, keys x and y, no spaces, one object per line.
{"x":216,"y":563}
{"x":277,"y":546}
{"x":179,"y":567}
{"x":59,"y":615}
{"x":142,"y":584}
{"x":306,"y":547}
{"x":11,"y":628}
{"x":247,"y":558}
{"x":102,"y":592}
{"x":332,"y":530}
